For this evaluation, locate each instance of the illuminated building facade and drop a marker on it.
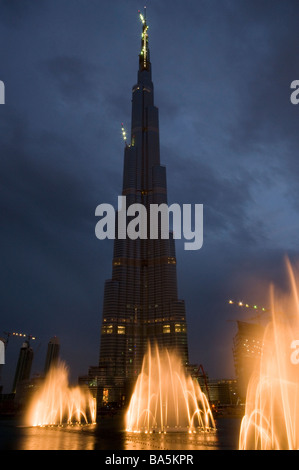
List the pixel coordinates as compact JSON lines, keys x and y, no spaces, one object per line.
{"x":141,"y":302}
{"x":223,"y":392}
{"x":247,"y":350}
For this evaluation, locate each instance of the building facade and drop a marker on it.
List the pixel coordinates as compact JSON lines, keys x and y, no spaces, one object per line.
{"x":23,"y":370}
{"x":52,"y":356}
{"x":141,"y":303}
{"x":247,"y":351}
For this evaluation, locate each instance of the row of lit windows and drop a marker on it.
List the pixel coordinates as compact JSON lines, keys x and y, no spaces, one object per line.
{"x":178,"y":328}
{"x":128,"y":320}
{"x":108,"y":330}
{"x":118,"y":262}
{"x":120,"y":320}
{"x":253,"y":341}
{"x":121,"y":330}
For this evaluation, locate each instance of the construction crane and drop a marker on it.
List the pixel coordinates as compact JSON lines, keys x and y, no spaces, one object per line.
{"x":19,"y":335}
{"x":14,"y":334}
{"x":261,"y":310}
{"x":124,"y":134}
{"x":200,"y":368}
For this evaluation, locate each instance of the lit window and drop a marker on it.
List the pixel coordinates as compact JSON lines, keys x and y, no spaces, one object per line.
{"x":121,"y":330}
{"x":105,"y":395}
{"x":180,"y":328}
{"x":166,"y":328}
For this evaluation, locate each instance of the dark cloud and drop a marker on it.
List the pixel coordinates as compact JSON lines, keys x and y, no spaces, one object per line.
{"x":74,"y":77}
{"x":13,"y":12}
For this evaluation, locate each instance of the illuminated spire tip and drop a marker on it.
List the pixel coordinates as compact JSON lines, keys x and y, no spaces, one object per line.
{"x":144,"y":53}
{"x":124,"y":134}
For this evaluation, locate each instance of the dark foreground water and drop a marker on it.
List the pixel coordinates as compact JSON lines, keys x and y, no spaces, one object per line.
{"x":108,"y":435}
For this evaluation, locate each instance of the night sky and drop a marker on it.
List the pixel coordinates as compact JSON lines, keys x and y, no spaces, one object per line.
{"x":229,"y":138}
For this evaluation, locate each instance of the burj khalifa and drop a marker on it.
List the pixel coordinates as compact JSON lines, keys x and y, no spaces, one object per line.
{"x":141,"y":304}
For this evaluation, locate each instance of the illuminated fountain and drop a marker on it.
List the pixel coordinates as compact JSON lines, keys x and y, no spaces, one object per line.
{"x":165,"y":399}
{"x":56,"y":403}
{"x":271,"y":420}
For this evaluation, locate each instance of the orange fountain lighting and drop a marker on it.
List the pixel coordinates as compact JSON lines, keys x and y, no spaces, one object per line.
{"x":271,"y":420}
{"x":165,"y":399}
{"x":56,"y":403}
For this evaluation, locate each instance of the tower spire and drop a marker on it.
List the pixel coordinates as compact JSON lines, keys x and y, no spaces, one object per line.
{"x":144,"y":60}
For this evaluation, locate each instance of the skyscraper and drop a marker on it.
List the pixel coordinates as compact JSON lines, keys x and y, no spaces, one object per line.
{"x":52,"y":354}
{"x":24,"y":364}
{"x":141,"y":302}
{"x":247,"y":351}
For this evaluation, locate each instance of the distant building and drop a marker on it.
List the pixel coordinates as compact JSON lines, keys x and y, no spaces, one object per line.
{"x":93,"y":382}
{"x":223,"y":392}
{"x":52,"y":354}
{"x":217,"y":391}
{"x":247,"y":349}
{"x":24,"y":364}
{"x":7,"y":404}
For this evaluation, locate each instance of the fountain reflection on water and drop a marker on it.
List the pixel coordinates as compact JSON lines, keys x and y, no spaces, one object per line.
{"x":165,"y":399}
{"x":56,"y":403}
{"x":271,"y":420}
